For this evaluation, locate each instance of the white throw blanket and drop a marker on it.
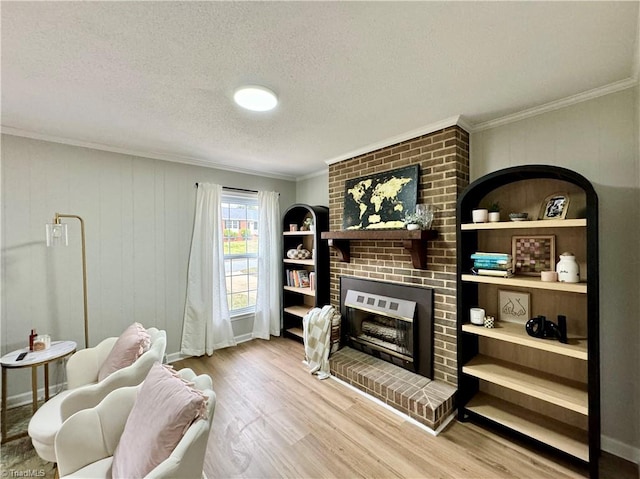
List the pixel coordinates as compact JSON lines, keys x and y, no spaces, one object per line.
{"x":316,"y":326}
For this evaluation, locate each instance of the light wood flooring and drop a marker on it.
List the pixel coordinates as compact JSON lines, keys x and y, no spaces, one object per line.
{"x":273,"y":419}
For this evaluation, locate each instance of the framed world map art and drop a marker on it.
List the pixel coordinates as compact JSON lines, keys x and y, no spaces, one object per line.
{"x":380,"y":201}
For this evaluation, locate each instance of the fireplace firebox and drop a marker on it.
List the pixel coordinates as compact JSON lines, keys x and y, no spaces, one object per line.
{"x":381,"y":326}
{"x":390,"y":321}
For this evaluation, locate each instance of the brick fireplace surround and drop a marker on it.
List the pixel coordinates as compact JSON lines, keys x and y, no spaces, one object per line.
{"x":443,"y":157}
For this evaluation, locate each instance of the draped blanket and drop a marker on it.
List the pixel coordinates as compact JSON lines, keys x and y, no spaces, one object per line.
{"x":316,"y":326}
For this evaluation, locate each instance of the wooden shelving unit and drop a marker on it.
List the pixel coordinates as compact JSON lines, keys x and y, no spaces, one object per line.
{"x":296,"y":301}
{"x":538,"y":388}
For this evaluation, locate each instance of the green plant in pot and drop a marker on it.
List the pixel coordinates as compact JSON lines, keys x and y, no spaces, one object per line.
{"x":494,"y":212}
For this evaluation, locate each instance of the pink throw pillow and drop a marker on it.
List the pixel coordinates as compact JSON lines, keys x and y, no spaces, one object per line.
{"x":131,"y":344}
{"x":164,"y":409}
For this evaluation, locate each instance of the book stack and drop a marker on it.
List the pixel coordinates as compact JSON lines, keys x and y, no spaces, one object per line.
{"x":492,"y":264}
{"x":298,"y":278}
{"x":312,"y":280}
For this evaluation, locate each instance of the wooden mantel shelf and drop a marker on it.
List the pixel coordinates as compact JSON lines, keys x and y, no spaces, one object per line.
{"x":414,"y":241}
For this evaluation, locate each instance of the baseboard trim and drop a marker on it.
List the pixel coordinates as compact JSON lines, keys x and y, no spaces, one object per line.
{"x":173,"y":357}
{"x":22,"y":399}
{"x":178,"y":356}
{"x":243,"y":338}
{"x":620,"y":449}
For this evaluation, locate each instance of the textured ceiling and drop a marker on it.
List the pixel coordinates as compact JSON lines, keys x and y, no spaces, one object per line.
{"x":156,"y":78}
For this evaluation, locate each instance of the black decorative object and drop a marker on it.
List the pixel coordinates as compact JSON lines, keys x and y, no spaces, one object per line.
{"x":562,"y":327}
{"x":540,"y":327}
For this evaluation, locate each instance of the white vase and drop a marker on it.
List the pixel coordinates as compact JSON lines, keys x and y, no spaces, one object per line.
{"x":425,"y":211}
{"x":480,"y":215}
{"x":568,"y":269}
{"x":413,"y":226}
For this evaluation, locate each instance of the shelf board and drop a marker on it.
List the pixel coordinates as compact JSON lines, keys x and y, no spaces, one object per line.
{"x":514,"y":225}
{"x":305,"y":262}
{"x":546,"y":387}
{"x":515,"y":333}
{"x":545,"y":429}
{"x":298,"y":233}
{"x":528,"y":282}
{"x":296,"y":332}
{"x":305,"y":291}
{"x":300,"y":311}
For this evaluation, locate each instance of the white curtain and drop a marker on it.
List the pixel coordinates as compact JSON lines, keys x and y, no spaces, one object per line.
{"x":267,"y":318}
{"x":207,"y":323}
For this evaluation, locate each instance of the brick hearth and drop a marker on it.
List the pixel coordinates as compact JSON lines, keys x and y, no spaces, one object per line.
{"x":428,"y":402}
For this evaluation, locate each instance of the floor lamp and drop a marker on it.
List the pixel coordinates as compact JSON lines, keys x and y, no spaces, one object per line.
{"x":57,"y":236}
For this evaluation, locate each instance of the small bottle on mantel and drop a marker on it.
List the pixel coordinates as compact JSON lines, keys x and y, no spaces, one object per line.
{"x":32,"y":338}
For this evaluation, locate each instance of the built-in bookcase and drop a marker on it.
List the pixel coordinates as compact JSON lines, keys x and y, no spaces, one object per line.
{"x":298,"y":299}
{"x":541,"y":389}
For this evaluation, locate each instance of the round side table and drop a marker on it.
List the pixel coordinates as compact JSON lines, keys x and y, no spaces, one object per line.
{"x":33,"y":359}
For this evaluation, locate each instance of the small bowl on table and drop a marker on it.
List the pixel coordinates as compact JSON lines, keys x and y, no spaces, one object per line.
{"x":518,"y":216}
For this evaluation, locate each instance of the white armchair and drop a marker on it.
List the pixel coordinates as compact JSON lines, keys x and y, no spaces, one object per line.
{"x":84,"y":391}
{"x":87,"y":440}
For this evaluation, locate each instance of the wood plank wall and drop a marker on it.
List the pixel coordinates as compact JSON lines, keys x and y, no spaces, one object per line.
{"x":138,"y":216}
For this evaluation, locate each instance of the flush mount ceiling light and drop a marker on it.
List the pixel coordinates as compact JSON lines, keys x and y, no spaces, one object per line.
{"x":255,"y":98}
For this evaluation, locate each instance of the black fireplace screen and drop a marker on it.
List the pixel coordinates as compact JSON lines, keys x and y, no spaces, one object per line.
{"x":382,"y":326}
{"x":390,"y":321}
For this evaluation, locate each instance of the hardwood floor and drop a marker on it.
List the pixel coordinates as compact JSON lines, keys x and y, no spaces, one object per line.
{"x":273,"y":419}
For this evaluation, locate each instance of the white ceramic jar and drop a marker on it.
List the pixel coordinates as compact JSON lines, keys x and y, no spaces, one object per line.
{"x":568,"y":269}
{"x":480,"y":215}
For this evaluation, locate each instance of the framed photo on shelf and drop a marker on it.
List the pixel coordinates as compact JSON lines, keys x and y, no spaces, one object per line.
{"x":513,"y":306}
{"x":533,"y":254}
{"x":554,"y":207}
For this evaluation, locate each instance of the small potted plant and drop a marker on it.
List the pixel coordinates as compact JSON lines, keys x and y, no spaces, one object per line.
{"x":494,"y":212}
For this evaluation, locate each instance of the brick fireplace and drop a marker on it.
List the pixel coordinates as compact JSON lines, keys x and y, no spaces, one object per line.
{"x":443,"y":158}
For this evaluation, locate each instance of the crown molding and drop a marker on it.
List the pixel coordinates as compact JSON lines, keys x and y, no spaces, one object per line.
{"x":425,"y":130}
{"x":7,"y":130}
{"x":324,"y":171}
{"x":558,"y":104}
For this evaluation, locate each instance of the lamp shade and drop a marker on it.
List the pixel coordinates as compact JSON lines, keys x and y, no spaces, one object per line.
{"x":57,"y":234}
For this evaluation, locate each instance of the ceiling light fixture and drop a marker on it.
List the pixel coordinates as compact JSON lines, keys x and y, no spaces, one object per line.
{"x":255,"y":98}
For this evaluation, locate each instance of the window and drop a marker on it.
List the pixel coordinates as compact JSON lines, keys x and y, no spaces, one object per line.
{"x":232,"y":225}
{"x":240,"y":231}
